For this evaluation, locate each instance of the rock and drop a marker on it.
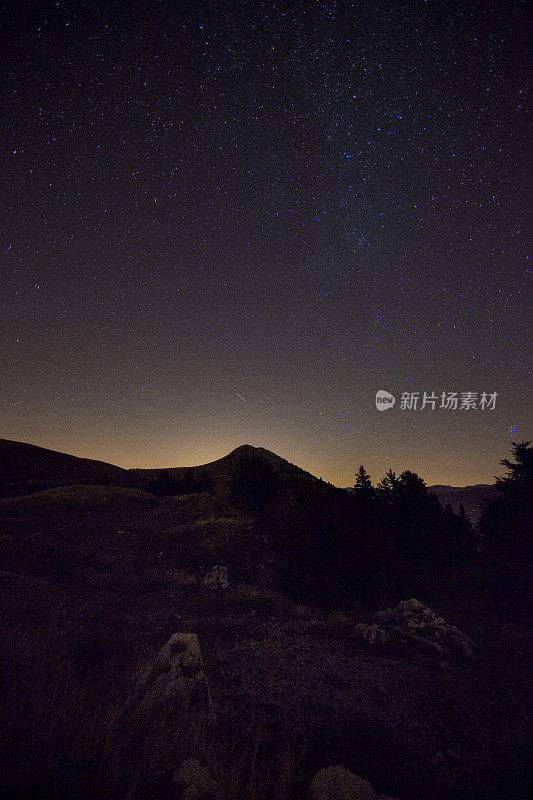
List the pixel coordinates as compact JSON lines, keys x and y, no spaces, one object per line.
{"x":173,"y":692}
{"x":338,"y":783}
{"x":149,"y":786}
{"x":216,"y":579}
{"x":449,"y":772}
{"x":176,"y":678}
{"x":269,"y":572}
{"x":413,"y":626}
{"x":194,"y":782}
{"x":372,"y":634}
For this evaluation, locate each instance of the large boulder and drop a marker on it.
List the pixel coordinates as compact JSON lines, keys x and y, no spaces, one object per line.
{"x":216,"y":579}
{"x":171,"y":700}
{"x":176,"y":678}
{"x":338,"y":783}
{"x":412,"y":626}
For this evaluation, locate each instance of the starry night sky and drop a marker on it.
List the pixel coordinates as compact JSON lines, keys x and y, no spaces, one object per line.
{"x":297,"y":203}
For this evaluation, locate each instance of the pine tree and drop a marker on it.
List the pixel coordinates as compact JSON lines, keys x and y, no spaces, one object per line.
{"x":362,"y":480}
{"x":505,"y":520}
{"x":505,"y":529}
{"x":388,"y":486}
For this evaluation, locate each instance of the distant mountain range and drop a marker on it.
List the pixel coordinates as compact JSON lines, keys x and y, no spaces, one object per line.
{"x":470,"y":497}
{"x":27,"y":467}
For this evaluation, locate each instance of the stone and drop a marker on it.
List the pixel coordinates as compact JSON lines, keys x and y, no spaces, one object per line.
{"x":149,"y":786}
{"x":269,"y":572}
{"x":173,"y":691}
{"x":216,"y":579}
{"x":413,"y":626}
{"x":176,"y":678}
{"x":194,"y":782}
{"x":372,"y":634}
{"x":338,"y":783}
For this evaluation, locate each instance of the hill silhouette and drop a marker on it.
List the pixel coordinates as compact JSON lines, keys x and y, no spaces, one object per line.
{"x":223,"y":470}
{"x":27,"y":467}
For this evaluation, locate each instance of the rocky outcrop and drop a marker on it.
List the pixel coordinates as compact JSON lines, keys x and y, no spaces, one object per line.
{"x":412,"y":626}
{"x":338,"y":783}
{"x":171,"y":699}
{"x":175,"y":679}
{"x":216,"y":579}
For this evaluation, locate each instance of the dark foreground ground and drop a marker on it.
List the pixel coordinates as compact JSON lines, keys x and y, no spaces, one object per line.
{"x":95,"y":581}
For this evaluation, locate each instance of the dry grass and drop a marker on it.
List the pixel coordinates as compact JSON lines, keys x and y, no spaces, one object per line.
{"x":263,"y":598}
{"x":62,"y":685}
{"x":63,"y":689}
